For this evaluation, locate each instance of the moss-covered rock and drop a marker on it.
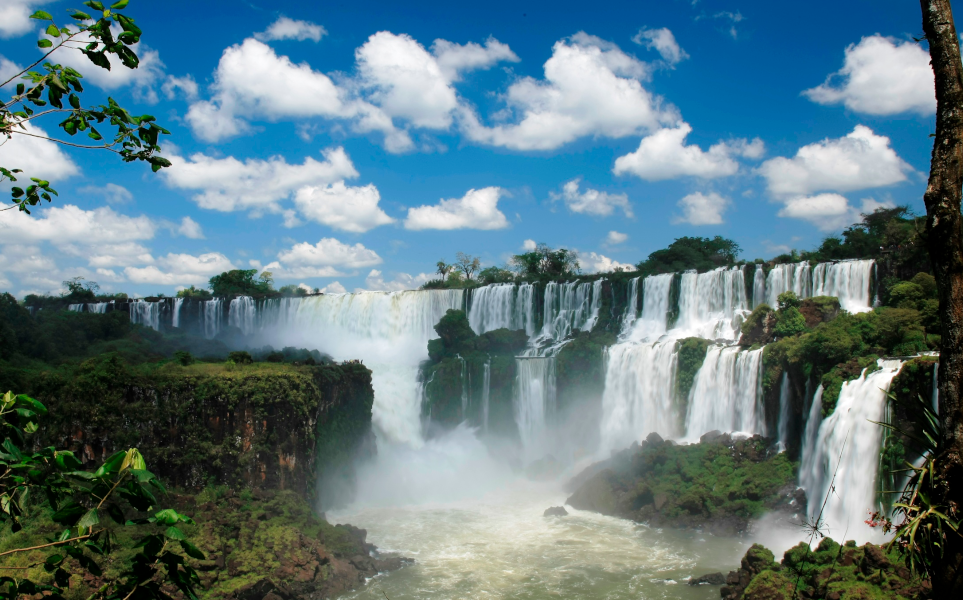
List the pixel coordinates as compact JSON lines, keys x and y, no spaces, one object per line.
{"x":758,"y":326}
{"x":692,"y":353}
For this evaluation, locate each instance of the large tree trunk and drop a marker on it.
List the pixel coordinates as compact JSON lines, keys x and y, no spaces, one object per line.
{"x":945,"y":241}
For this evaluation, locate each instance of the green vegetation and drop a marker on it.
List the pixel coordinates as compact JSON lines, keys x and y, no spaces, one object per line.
{"x":789,"y":321}
{"x":242,"y":282}
{"x":692,"y":353}
{"x":544,"y":263}
{"x":195,"y":293}
{"x":701,"y":254}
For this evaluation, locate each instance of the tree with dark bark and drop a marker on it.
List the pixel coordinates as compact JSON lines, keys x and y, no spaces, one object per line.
{"x":945,"y":243}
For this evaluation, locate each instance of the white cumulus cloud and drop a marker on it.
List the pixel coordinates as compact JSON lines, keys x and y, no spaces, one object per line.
{"x":591,"y":262}
{"x":477,"y":209}
{"x":881,"y":76}
{"x":36,"y":157}
{"x":829,"y":212}
{"x":614,"y":238}
{"x":111,"y":192}
{"x":664,"y":155}
{"x":286,"y":28}
{"x":702,"y":209}
{"x":343,"y":207}
{"x":190,"y":228}
{"x":69,"y":224}
{"x":375,"y":282}
{"x":323,"y":259}
{"x":181,"y":269}
{"x":858,"y":161}
{"x":334,"y":287}
{"x":592,"y":202}
{"x":455,"y":59}
{"x":15,"y":16}
{"x":529,"y":245}
{"x":662,"y":41}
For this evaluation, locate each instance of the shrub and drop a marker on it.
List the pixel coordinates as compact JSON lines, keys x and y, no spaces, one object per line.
{"x":184,"y":357}
{"x":240,"y":358}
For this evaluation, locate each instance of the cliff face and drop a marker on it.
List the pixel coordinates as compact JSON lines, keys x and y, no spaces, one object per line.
{"x":252,"y":426}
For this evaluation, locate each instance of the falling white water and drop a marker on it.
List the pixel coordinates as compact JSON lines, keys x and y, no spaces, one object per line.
{"x":146,"y":313}
{"x":727,"y":393}
{"x":810,"y":470}
{"x":465,"y":387}
{"x":176,"y":318}
{"x":502,"y":305}
{"x":639,"y":393}
{"x":277,"y":314}
{"x":534,"y":402}
{"x":653,"y":322}
{"x":98,"y":308}
{"x":758,"y":286}
{"x":212,"y":317}
{"x":789,"y":277}
{"x":241,"y":314}
{"x":486,"y":392}
{"x":712,"y":305}
{"x":848,"y":444}
{"x":570,"y":306}
{"x":75,"y":307}
{"x":848,"y":280}
{"x":631,"y":305}
{"x":783,"y":427}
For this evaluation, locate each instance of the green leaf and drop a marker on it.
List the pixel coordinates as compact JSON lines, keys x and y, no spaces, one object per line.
{"x":192,"y":550}
{"x":94,"y":4}
{"x":69,"y":513}
{"x":74,"y":101}
{"x":44,"y":44}
{"x":119,"y":4}
{"x":168,"y":516}
{"x":174,"y":533}
{"x":52,"y":30}
{"x":42,"y":15}
{"x":94,"y":134}
{"x":90,"y":519}
{"x":80,"y":16}
{"x":116,"y":514}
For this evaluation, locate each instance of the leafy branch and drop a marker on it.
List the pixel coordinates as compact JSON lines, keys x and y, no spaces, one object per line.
{"x":135,"y":138}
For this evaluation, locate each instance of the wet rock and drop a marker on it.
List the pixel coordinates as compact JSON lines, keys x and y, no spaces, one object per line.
{"x":654,"y":439}
{"x":709,"y":579}
{"x":555,"y":511}
{"x":874,"y":560}
{"x":716,"y":437}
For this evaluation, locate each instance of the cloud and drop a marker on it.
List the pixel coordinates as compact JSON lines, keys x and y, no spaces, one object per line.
{"x":529,"y":245}
{"x":402,"y":281}
{"x":734,"y":19}
{"x":228,"y":184}
{"x":112,"y":193}
{"x":181,"y":269}
{"x":477,"y":209}
{"x":592,"y":202}
{"x":176,"y":87}
{"x":590,"y":262}
{"x":702,"y":209}
{"x":36,"y":157}
{"x":8,"y":68}
{"x":15,"y":17}
{"x":190,"y":228}
{"x":342,"y":207}
{"x":615,"y":238}
{"x":455,"y":59}
{"x":290,"y":29}
{"x":858,"y":161}
{"x":829,"y":212}
{"x":68,"y":224}
{"x":334,"y":287}
{"x":323,"y":259}
{"x":662,"y":41}
{"x":123,"y":254}
{"x":881,"y":76}
{"x":590,"y":87}
{"x":664,"y":155}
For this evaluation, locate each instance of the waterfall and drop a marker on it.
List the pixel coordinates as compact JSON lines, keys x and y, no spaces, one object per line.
{"x":465,"y":385}
{"x":726,"y":394}
{"x":212,"y":317}
{"x":758,"y":286}
{"x":277,"y":313}
{"x":656,"y":291}
{"x":712,"y":305}
{"x":848,"y":440}
{"x":241,"y":314}
{"x":75,"y":307}
{"x":176,"y":318}
{"x":570,"y":306}
{"x":98,"y":308}
{"x":639,"y":393}
{"x":848,"y":280}
{"x":534,"y":402}
{"x":784,"y":399}
{"x":789,"y":277}
{"x":146,"y":313}
{"x":502,"y":305}
{"x":631,"y":305}
{"x":810,"y":472}
{"x":486,"y":392}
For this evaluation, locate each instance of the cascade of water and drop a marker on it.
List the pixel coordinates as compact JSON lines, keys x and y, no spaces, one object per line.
{"x":758,"y":286}
{"x":655,"y":309}
{"x":810,"y":470}
{"x":98,"y":307}
{"x":712,"y":305}
{"x":212,"y":317}
{"x":631,"y":306}
{"x":848,"y":280}
{"x":783,"y":427}
{"x":241,"y":314}
{"x":848,"y":440}
{"x":935,"y":397}
{"x":534,"y":401}
{"x":146,"y":313}
{"x":176,"y":318}
{"x":727,"y":392}
{"x":75,"y":307}
{"x":465,"y":385}
{"x":789,"y":277}
{"x":639,"y":393}
{"x":277,"y":314}
{"x":486,"y":392}
{"x":570,"y":306}
{"x":502,"y":305}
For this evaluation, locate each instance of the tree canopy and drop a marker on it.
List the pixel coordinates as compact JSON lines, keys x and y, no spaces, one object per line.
{"x":241,"y":282}
{"x":701,"y":254}
{"x":544,"y":262}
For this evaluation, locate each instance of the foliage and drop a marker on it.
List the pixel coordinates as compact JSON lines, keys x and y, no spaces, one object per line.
{"x":135,"y":138}
{"x":241,"y":282}
{"x":691,"y":353}
{"x":52,"y":485}
{"x":240,"y":357}
{"x":545,"y":263}
{"x":293,"y":291}
{"x":467,"y":264}
{"x":492,"y":275}
{"x":184,"y":358}
{"x":685,"y":253}
{"x":195,"y":293}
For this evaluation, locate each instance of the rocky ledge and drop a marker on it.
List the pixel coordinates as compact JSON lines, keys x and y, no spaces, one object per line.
{"x":719,"y":485}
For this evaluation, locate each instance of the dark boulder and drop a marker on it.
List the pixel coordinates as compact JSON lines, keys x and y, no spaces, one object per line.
{"x":709,"y":579}
{"x":555,"y":511}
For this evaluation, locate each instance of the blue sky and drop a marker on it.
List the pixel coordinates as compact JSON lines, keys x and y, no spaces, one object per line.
{"x":352,"y":145}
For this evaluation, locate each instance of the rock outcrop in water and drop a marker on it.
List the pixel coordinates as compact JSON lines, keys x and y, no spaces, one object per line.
{"x":718,"y":485}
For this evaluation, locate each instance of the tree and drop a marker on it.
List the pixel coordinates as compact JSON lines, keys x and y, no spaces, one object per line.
{"x":444,"y":269}
{"x":195,"y":293}
{"x":41,"y":93}
{"x":241,"y":282}
{"x":544,"y":262}
{"x":467,"y":264}
{"x":944,"y":239}
{"x":701,"y":254}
